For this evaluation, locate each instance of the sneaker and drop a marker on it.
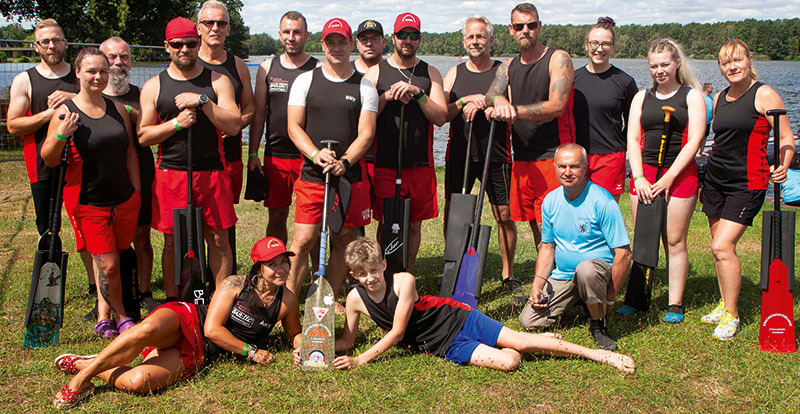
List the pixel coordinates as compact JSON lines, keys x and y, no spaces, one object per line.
{"x":512,"y":285}
{"x":598,"y":331}
{"x":715,"y":314}
{"x":728,"y":327}
{"x":674,"y":314}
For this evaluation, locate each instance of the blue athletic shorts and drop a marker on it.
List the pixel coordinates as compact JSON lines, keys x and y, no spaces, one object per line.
{"x":478,"y":329}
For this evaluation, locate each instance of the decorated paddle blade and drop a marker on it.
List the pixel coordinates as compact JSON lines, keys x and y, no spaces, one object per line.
{"x":777,"y":331}
{"x":44,"y":323}
{"x":317,"y":345}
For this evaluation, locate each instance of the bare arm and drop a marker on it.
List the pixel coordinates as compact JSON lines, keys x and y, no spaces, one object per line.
{"x":561,"y":77}
{"x":290,"y":318}
{"x":366,"y":130}
{"x":469,"y":104}
{"x":635,"y":144}
{"x":498,"y":89}
{"x":435,"y":106}
{"x":766,"y":99}
{"x":544,"y":266}
{"x":224,"y":114}
{"x":372,"y":76}
{"x":246,"y":105}
{"x":151,"y":132}
{"x":19,"y":122}
{"x":354,"y":307}
{"x":619,"y":269}
{"x":260,"y":101}
{"x":52,"y":146}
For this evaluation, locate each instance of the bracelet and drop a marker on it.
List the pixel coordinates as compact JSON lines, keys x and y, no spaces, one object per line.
{"x":246,"y":349}
{"x":314,"y":154}
{"x":61,"y":137}
{"x":638,"y":177}
{"x":253,"y":154}
{"x":422,"y":97}
{"x":540,"y":277}
{"x":175,"y":124}
{"x":461,"y":101}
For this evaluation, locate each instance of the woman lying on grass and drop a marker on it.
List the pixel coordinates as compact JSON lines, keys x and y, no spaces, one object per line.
{"x":242,"y":312}
{"x":438,"y":326}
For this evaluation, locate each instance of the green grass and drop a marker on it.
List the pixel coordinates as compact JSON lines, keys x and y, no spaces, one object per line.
{"x":679,"y":367}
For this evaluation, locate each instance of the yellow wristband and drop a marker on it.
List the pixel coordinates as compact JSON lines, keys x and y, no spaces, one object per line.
{"x":175,"y":124}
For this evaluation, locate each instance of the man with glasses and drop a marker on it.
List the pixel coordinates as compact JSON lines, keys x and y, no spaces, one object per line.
{"x":214,"y":29}
{"x":404,"y":80}
{"x":539,"y":108}
{"x":187,"y":95}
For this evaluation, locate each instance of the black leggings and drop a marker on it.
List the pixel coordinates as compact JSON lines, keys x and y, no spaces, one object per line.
{"x":42,"y":191}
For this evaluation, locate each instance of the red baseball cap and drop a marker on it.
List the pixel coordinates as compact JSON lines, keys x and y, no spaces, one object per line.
{"x":337,"y":25}
{"x":406,"y":20}
{"x":267,"y":248}
{"x":180,"y":27}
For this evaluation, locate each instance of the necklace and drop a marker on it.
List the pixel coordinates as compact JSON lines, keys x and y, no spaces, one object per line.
{"x":413,"y":68}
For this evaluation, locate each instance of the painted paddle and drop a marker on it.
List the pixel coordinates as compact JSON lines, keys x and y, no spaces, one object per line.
{"x":396,"y":213}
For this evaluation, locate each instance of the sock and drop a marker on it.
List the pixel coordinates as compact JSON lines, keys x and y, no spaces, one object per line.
{"x":172,"y":298}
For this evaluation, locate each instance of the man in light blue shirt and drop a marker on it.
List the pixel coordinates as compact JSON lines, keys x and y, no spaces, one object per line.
{"x":708,"y":89}
{"x":585,"y":250}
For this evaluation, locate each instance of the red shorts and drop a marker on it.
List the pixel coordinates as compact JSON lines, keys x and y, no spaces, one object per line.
{"x":530,"y":182}
{"x":235,"y":171}
{"x":308,"y":204}
{"x":191,"y":343}
{"x":608,"y":171}
{"x":422,"y":180}
{"x":684,"y":186}
{"x":371,"y":177}
{"x":211,"y":190}
{"x":105,"y":229}
{"x":281,"y":173}
{"x":72,"y":193}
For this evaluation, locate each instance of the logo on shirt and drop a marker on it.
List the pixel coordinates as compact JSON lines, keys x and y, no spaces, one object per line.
{"x":242,"y":318}
{"x":278,"y":85}
{"x":350,"y":98}
{"x":583,"y":227}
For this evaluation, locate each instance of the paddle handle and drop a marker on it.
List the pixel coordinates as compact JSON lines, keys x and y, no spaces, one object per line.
{"x":323,"y":237}
{"x":400,"y":141}
{"x":668,"y":111}
{"x":777,"y":222}
{"x":190,"y":211}
{"x":467,"y":157}
{"x":56,"y":222}
{"x":479,"y":207}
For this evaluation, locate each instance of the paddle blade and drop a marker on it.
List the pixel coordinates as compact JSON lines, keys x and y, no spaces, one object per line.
{"x":788,"y":223}
{"x":457,"y":242}
{"x":647,"y":233}
{"x":317,"y":343}
{"x":777,"y":330}
{"x":339,"y":202}
{"x":465,"y":285}
{"x":44,"y":321}
{"x":460,"y":214}
{"x":129,"y":279}
{"x":394,"y":233}
{"x":192,"y":290}
{"x":640,"y":287}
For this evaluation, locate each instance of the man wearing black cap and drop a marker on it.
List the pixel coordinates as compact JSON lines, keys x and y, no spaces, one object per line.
{"x":370,"y":44}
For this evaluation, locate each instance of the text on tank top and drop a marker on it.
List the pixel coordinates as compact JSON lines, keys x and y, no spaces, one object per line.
{"x":468,"y":83}
{"x":652,"y":122}
{"x":102,"y":144}
{"x":418,"y":147}
{"x":602,"y":102}
{"x":206,"y":141}
{"x":279,"y":82}
{"x":738,"y":160}
{"x":434,"y":321}
{"x":537,"y":140}
{"x":41,"y":88}
{"x":332,"y":113}
{"x":232,"y":146}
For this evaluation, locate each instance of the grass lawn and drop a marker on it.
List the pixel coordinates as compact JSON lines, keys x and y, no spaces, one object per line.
{"x":679,"y":367}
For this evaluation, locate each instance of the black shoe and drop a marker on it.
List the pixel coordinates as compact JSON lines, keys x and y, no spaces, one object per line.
{"x":92,"y":315}
{"x":149,"y":303}
{"x":512,"y":285}
{"x":598,"y":331}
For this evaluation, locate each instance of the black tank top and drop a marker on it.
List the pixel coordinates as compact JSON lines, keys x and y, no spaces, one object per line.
{"x":602,"y":103}
{"x":249,"y":320}
{"x":332,"y":112}
{"x":468,"y":83}
{"x":537,"y":140}
{"x":652,"y":123}
{"x":280,"y":80}
{"x":131,"y":98}
{"x":206,"y":142}
{"x":738,"y":160}
{"x":232,"y":146}
{"x":434,"y":321}
{"x":41,"y":88}
{"x":418,"y":148}
{"x":102,"y":145}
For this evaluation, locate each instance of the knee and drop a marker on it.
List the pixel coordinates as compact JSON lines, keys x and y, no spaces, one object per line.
{"x":530,"y":320}
{"x":135,"y":381}
{"x":721,"y":251}
{"x":218,"y":239}
{"x":587,"y":272}
{"x":169,"y":242}
{"x":510,"y":360}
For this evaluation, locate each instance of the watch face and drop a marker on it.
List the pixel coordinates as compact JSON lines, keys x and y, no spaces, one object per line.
{"x":203,"y":99}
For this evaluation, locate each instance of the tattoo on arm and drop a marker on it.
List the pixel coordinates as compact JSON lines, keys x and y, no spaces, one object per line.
{"x":233,"y":282}
{"x":564,"y":62}
{"x":531,"y":109}
{"x":102,"y":280}
{"x":561,"y":86}
{"x":499,"y":85}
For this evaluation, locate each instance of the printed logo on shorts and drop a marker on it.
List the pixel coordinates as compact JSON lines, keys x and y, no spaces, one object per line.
{"x":365,"y":214}
{"x":618,"y":187}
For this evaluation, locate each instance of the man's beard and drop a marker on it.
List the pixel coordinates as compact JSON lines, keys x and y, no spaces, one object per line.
{"x":52,"y":60}
{"x":118,"y":78}
{"x":185,"y":64}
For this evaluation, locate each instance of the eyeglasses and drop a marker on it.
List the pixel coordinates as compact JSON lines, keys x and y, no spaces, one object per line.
{"x":177,"y":44}
{"x":46,"y":42}
{"x":595,"y":44}
{"x":407,"y":35}
{"x":531,"y":25}
{"x":369,"y":39}
{"x":210,"y":23}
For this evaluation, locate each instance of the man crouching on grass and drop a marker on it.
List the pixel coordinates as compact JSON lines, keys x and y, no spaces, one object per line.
{"x":438,"y":326}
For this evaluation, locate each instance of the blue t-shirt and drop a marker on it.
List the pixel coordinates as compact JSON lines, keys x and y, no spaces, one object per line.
{"x":588,"y":227}
{"x":709,"y":108}
{"x":791,"y":187}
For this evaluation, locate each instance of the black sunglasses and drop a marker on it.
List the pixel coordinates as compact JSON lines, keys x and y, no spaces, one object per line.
{"x":407,"y":35}
{"x":176,"y":44}
{"x":210,"y":23}
{"x":519,"y":26}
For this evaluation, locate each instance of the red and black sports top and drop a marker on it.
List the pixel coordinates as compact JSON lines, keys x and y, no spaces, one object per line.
{"x":102,"y":146}
{"x":469,"y":83}
{"x":41,"y":88}
{"x":434,"y":321}
{"x":537,"y":140}
{"x":602,"y":103}
{"x":738,"y":160}
{"x":232,"y":146}
{"x":279,"y":82}
{"x":418,"y":148}
{"x":652,"y":123}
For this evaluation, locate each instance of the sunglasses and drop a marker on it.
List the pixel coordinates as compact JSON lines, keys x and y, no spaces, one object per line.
{"x":178,"y":45}
{"x":407,"y":35}
{"x":210,"y":23}
{"x":519,"y":26}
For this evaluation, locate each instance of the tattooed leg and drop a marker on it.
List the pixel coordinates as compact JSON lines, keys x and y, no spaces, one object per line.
{"x":109,"y":287}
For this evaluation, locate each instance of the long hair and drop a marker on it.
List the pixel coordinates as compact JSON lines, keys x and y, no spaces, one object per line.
{"x":685,"y":72}
{"x":733,"y":47}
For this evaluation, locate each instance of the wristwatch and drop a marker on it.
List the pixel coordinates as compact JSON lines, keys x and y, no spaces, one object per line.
{"x":203,"y":99}
{"x":345,"y":162}
{"x":418,"y":95}
{"x":252,"y":351}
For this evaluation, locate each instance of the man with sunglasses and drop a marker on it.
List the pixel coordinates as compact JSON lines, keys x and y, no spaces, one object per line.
{"x":404,"y":80}
{"x":213,"y":27}
{"x":187,"y":95}
{"x":539,"y":107}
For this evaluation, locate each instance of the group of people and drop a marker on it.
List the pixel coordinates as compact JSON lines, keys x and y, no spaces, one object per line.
{"x":557,"y":161}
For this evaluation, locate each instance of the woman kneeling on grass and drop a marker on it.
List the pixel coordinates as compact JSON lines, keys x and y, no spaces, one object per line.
{"x":438,"y":326}
{"x":242,"y":313}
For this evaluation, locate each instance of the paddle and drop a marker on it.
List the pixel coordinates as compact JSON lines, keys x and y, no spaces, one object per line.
{"x":396,"y":214}
{"x":776,"y":333}
{"x":339,"y":202}
{"x":647,"y":236}
{"x":470,"y":274}
{"x":317,"y":343}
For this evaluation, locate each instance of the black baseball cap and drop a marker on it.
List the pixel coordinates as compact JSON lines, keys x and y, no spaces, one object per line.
{"x":369,"y":25}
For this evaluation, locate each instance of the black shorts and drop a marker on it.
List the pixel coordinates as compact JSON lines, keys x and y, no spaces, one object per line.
{"x":147,"y":171}
{"x":498,"y":180}
{"x":739,"y":206}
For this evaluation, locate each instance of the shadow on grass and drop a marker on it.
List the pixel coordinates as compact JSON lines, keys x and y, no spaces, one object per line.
{"x":14,"y":250}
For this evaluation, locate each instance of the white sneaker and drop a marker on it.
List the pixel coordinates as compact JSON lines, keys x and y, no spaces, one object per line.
{"x":715,"y":314}
{"x":727,"y":328}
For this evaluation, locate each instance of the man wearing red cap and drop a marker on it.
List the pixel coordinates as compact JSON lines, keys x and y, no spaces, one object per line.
{"x":331,"y":102}
{"x":402,"y":79}
{"x":187,"y":95}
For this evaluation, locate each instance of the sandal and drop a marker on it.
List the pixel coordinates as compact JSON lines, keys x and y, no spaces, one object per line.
{"x":66,"y":398}
{"x":106,"y":329}
{"x":124,"y":324}
{"x":66,"y":362}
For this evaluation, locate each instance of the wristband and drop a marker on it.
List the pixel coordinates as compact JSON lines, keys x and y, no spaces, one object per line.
{"x":175,"y":123}
{"x":638,"y":177}
{"x":461,"y":101}
{"x":314,"y":154}
{"x":422,"y":97}
{"x":61,"y":137}
{"x":345,"y":162}
{"x":495,"y":98}
{"x":246,"y":349}
{"x":253,"y":154}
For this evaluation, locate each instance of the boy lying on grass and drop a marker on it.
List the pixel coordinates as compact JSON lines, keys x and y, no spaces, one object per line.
{"x":438,"y":326}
